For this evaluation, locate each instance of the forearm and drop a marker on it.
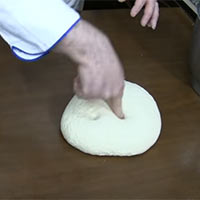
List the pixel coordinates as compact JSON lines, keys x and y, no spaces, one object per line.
{"x":100,"y":73}
{"x":86,"y":45}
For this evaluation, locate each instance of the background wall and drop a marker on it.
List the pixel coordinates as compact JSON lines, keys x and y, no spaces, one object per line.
{"x":114,"y":4}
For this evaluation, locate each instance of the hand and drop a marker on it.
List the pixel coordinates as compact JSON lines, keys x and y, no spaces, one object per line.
{"x":100,"y":73}
{"x":151,"y":12}
{"x":115,"y":102}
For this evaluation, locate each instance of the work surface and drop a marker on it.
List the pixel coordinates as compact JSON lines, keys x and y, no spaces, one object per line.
{"x":36,"y":162}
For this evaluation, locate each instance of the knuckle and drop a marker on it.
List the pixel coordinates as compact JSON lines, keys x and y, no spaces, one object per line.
{"x":149,"y":9}
{"x":148,"y":13}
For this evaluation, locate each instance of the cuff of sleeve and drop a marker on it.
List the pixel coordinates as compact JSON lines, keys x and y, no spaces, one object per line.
{"x":32,"y":28}
{"x":26,"y":56}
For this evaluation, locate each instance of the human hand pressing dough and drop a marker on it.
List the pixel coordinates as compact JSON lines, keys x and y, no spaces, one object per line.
{"x":100,"y":72}
{"x":151,"y":12}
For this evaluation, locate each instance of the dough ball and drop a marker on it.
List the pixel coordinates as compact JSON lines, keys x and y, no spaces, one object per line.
{"x":91,"y":127}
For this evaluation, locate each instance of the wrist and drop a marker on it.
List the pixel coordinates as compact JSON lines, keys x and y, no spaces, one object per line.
{"x":80,"y":43}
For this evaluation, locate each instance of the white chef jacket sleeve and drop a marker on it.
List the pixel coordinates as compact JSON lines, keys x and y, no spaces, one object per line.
{"x":33,"y":27}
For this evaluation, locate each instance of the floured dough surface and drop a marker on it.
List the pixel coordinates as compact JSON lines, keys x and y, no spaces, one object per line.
{"x":91,"y":127}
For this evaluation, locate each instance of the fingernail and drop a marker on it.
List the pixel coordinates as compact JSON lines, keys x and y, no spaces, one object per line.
{"x":133,"y":14}
{"x":122,"y":116}
{"x":143,"y":24}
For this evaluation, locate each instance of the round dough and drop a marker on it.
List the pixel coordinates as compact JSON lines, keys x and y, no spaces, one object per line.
{"x":90,"y":125}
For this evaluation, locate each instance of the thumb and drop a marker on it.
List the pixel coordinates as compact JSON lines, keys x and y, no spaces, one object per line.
{"x":115,"y":104}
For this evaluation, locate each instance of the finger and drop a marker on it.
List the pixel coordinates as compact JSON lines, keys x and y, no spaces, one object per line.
{"x":155,"y":16}
{"x":148,"y":12}
{"x":149,"y":25}
{"x":115,"y":105}
{"x":137,"y":7}
{"x":83,"y":83}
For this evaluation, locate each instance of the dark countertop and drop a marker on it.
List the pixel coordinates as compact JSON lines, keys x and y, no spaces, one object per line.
{"x":36,"y":162}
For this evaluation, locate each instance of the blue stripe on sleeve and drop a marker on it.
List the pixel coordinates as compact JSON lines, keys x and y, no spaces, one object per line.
{"x":41,"y":54}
